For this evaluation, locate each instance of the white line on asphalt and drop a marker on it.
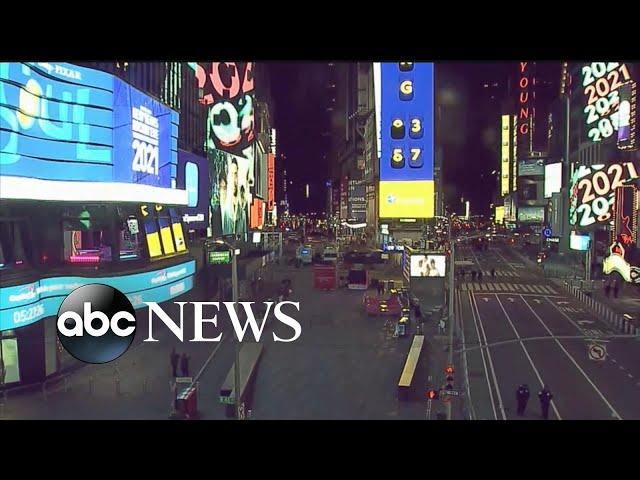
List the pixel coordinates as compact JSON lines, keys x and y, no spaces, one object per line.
{"x":573,"y":360}
{"x":484,"y":362}
{"x":614,"y":360}
{"x":621,"y":367}
{"x":526,"y":352}
{"x":464,"y":356}
{"x":493,"y":372}
{"x":505,"y":261}
{"x":629,"y":375}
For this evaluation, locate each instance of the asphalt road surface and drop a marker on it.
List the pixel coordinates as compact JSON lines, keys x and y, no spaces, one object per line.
{"x":525,"y":319}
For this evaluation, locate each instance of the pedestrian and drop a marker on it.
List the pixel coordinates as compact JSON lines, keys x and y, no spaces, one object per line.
{"x":545,"y":397}
{"x":473,"y":275}
{"x":480,"y":275}
{"x":607,"y":290}
{"x":522,"y":396}
{"x":463,"y":273}
{"x":184,"y":365}
{"x":441,"y":326}
{"x":380,"y":287}
{"x":616,"y":288}
{"x":418,"y":313}
{"x":174,"y":361}
{"x":493,"y":273}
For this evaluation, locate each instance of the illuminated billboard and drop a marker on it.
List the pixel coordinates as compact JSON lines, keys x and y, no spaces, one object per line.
{"x":357,"y":202}
{"x":428,"y":265}
{"x":406,"y":98}
{"x":499,"y":218}
{"x":76,"y":134}
{"x":592,"y":194}
{"x":552,"y":179}
{"x":531,"y":167}
{"x":625,"y":225}
{"x":505,"y":150}
{"x":578,"y":242}
{"x":193,"y":176}
{"x":257,"y":213}
{"x":407,"y":108}
{"x":531,"y":214}
{"x":229,"y":197}
{"x":271,"y":181}
{"x":406,"y":199}
{"x":628,"y":116}
{"x":601,"y":83}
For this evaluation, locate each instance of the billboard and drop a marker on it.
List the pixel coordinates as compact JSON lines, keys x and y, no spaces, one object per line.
{"x":531,"y":167}
{"x":628,"y":116}
{"x":77,"y":134}
{"x":525,"y":112}
{"x":406,"y":199}
{"x":406,"y":100}
{"x":229,"y":193}
{"x":505,"y":150}
{"x":578,"y":242}
{"x":601,"y":83}
{"x":344,"y":195}
{"x":428,"y":265}
{"x":257,"y":213}
{"x":552,"y":179}
{"x":625,"y":225}
{"x":592,"y":194}
{"x":193,"y":176}
{"x":531,"y":214}
{"x":271,"y":181}
{"x":499,"y":218}
{"x":357,"y":202}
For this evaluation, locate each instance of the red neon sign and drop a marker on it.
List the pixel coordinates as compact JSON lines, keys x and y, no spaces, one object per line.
{"x":523,"y":101}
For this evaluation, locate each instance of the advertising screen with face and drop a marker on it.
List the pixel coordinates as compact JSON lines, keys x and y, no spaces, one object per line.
{"x":428,"y":265}
{"x":230,"y":197}
{"x":627,"y":116}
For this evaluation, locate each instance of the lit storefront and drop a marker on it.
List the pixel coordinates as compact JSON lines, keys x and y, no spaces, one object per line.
{"x":89,"y":195}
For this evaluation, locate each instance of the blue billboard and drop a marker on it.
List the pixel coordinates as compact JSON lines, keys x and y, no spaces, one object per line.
{"x":63,"y":122}
{"x":407,"y":121}
{"x":193,"y":176}
{"x":23,"y":305}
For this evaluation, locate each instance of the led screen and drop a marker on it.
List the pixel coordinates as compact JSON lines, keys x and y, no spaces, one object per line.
{"x":531,"y":167}
{"x":552,"y":179}
{"x":406,"y":199}
{"x":579,"y":242}
{"x":531,"y":214}
{"x":428,"y":265}
{"x":193,"y":176}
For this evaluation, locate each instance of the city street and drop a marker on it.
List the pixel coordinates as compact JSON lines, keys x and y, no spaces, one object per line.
{"x":525,"y":319}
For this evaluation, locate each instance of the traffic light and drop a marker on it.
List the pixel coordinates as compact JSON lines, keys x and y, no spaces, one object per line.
{"x":449,"y":370}
{"x":432,"y":394}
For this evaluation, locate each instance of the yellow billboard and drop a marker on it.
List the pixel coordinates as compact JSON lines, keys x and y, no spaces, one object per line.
{"x":407,"y":199}
{"x":499,"y":214}
{"x":504,"y":151}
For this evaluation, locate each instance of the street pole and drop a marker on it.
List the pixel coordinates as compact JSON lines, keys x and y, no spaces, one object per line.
{"x":234,"y":298}
{"x":451,"y":294}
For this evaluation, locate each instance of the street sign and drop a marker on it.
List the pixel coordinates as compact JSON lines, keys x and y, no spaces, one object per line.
{"x":547,"y":232}
{"x":597,"y":352}
{"x":453,"y":393}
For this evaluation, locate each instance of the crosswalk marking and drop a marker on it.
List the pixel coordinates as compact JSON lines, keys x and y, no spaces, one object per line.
{"x":507,"y":287}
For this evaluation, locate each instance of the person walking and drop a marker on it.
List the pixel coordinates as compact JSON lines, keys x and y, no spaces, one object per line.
{"x":174,"y":357}
{"x":184,"y":365}
{"x":480,"y":275}
{"x":493,"y":273}
{"x":462,"y":273}
{"x":545,"y":397}
{"x":607,"y":290}
{"x":522,"y":396}
{"x":441,"y":326}
{"x":473,"y":275}
{"x":616,"y":289}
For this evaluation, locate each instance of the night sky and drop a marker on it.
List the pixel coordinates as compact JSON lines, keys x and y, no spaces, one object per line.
{"x":468,"y":130}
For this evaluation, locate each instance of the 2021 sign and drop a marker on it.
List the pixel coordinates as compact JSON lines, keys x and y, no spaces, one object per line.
{"x":601,"y":82}
{"x":594,"y":193}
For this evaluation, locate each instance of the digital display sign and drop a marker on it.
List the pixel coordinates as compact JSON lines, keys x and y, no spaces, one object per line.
{"x":406,"y":199}
{"x":593,"y":192}
{"x":428,"y":265}
{"x":219,"y":257}
{"x":505,"y":150}
{"x":579,"y":242}
{"x":499,"y":215}
{"x":531,"y":167}
{"x":531,"y":214}
{"x":625,"y":225}
{"x":74,"y":134}
{"x":407,"y":125}
{"x":628,"y":116}
{"x":271,"y":180}
{"x":601,"y":82}
{"x":193,"y":176}
{"x":552,"y":179}
{"x":23,"y":305}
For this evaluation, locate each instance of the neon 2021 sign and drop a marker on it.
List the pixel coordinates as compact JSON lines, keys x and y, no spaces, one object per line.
{"x":592,"y":194}
{"x":601,"y":82}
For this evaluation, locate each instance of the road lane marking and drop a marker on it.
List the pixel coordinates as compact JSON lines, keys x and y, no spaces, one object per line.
{"x":486,"y":371}
{"x":526,"y":352}
{"x":511,"y":289}
{"x":460,"y":319}
{"x":573,"y":360}
{"x":621,"y":367}
{"x":499,"y":286}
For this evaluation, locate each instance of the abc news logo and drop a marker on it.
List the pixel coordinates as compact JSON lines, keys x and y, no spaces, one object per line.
{"x":97,"y":323}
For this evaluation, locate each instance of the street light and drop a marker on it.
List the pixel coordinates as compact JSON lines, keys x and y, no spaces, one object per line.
{"x":234,"y":298}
